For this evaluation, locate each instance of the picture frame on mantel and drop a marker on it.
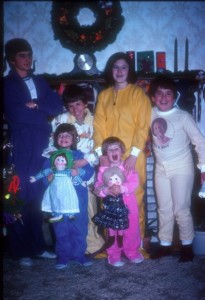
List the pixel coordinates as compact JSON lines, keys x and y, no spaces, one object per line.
{"x":145,"y":62}
{"x":160,"y":62}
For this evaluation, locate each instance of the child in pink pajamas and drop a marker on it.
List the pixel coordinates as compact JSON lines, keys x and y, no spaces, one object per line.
{"x":114,"y":148}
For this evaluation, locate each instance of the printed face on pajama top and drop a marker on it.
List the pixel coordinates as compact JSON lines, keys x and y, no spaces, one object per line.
{"x":162,"y":132}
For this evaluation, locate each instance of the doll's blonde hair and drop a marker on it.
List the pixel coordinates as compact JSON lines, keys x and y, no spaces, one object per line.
{"x":109,"y":172}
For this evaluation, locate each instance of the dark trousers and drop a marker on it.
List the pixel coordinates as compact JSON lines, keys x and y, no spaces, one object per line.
{"x":25,"y":239}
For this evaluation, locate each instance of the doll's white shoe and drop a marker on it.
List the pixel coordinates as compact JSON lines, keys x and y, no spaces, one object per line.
{"x":56,"y":219}
{"x":202,"y":191}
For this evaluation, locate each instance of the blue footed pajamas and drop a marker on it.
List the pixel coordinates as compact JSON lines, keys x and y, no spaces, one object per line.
{"x":29,"y":131}
{"x":71,"y":234}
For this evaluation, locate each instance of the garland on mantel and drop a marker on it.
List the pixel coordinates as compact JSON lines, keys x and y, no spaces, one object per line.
{"x":95,"y":37}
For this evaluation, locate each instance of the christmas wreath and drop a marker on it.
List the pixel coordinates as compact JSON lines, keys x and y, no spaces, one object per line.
{"x":76,"y":37}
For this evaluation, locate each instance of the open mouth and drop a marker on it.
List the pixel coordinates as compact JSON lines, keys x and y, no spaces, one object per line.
{"x":115,"y":157}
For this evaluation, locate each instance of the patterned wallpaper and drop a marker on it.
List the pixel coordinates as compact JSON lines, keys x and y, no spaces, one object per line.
{"x":149,"y":25}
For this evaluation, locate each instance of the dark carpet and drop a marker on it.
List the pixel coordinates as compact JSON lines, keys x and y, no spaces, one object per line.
{"x":164,"y":279}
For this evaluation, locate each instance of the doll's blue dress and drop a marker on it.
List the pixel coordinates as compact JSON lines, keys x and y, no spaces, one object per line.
{"x":60,"y":195}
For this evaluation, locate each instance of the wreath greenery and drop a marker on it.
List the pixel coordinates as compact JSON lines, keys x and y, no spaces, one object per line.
{"x":76,"y":37}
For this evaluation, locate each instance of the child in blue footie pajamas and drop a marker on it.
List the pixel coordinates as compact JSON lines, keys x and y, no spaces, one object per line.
{"x":71,"y":233}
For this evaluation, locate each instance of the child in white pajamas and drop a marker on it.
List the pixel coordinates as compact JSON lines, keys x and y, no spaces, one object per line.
{"x":174,"y":166}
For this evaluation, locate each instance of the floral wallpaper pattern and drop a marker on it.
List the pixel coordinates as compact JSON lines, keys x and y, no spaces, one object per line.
{"x":149,"y":25}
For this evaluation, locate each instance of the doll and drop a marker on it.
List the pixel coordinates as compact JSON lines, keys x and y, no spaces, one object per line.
{"x":60,"y":197}
{"x":114,"y":214}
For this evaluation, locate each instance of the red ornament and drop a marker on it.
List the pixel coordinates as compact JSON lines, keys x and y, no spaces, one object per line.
{"x":14,"y":184}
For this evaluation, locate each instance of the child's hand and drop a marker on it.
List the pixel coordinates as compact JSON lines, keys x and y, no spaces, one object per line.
{"x":114,"y":190}
{"x":104,"y":162}
{"x":31,"y":104}
{"x":32,"y":179}
{"x":50,"y":178}
{"x":80,"y":163}
{"x":74,"y":172}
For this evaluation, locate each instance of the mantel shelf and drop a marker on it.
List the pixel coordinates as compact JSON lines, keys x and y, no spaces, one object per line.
{"x":180,"y":75}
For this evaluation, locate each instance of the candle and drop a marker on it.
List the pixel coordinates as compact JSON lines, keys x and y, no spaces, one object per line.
{"x":186,"y":63}
{"x":175,"y":56}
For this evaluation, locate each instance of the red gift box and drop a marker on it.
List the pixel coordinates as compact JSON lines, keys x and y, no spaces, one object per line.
{"x":161,"y":61}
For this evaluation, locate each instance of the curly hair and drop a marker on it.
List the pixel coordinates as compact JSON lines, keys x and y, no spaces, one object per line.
{"x":68,"y":128}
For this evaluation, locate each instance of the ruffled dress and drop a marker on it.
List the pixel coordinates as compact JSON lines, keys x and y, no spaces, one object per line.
{"x":114,"y":213}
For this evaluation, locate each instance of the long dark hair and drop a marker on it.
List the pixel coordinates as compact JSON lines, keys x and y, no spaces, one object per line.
{"x":109,"y":65}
